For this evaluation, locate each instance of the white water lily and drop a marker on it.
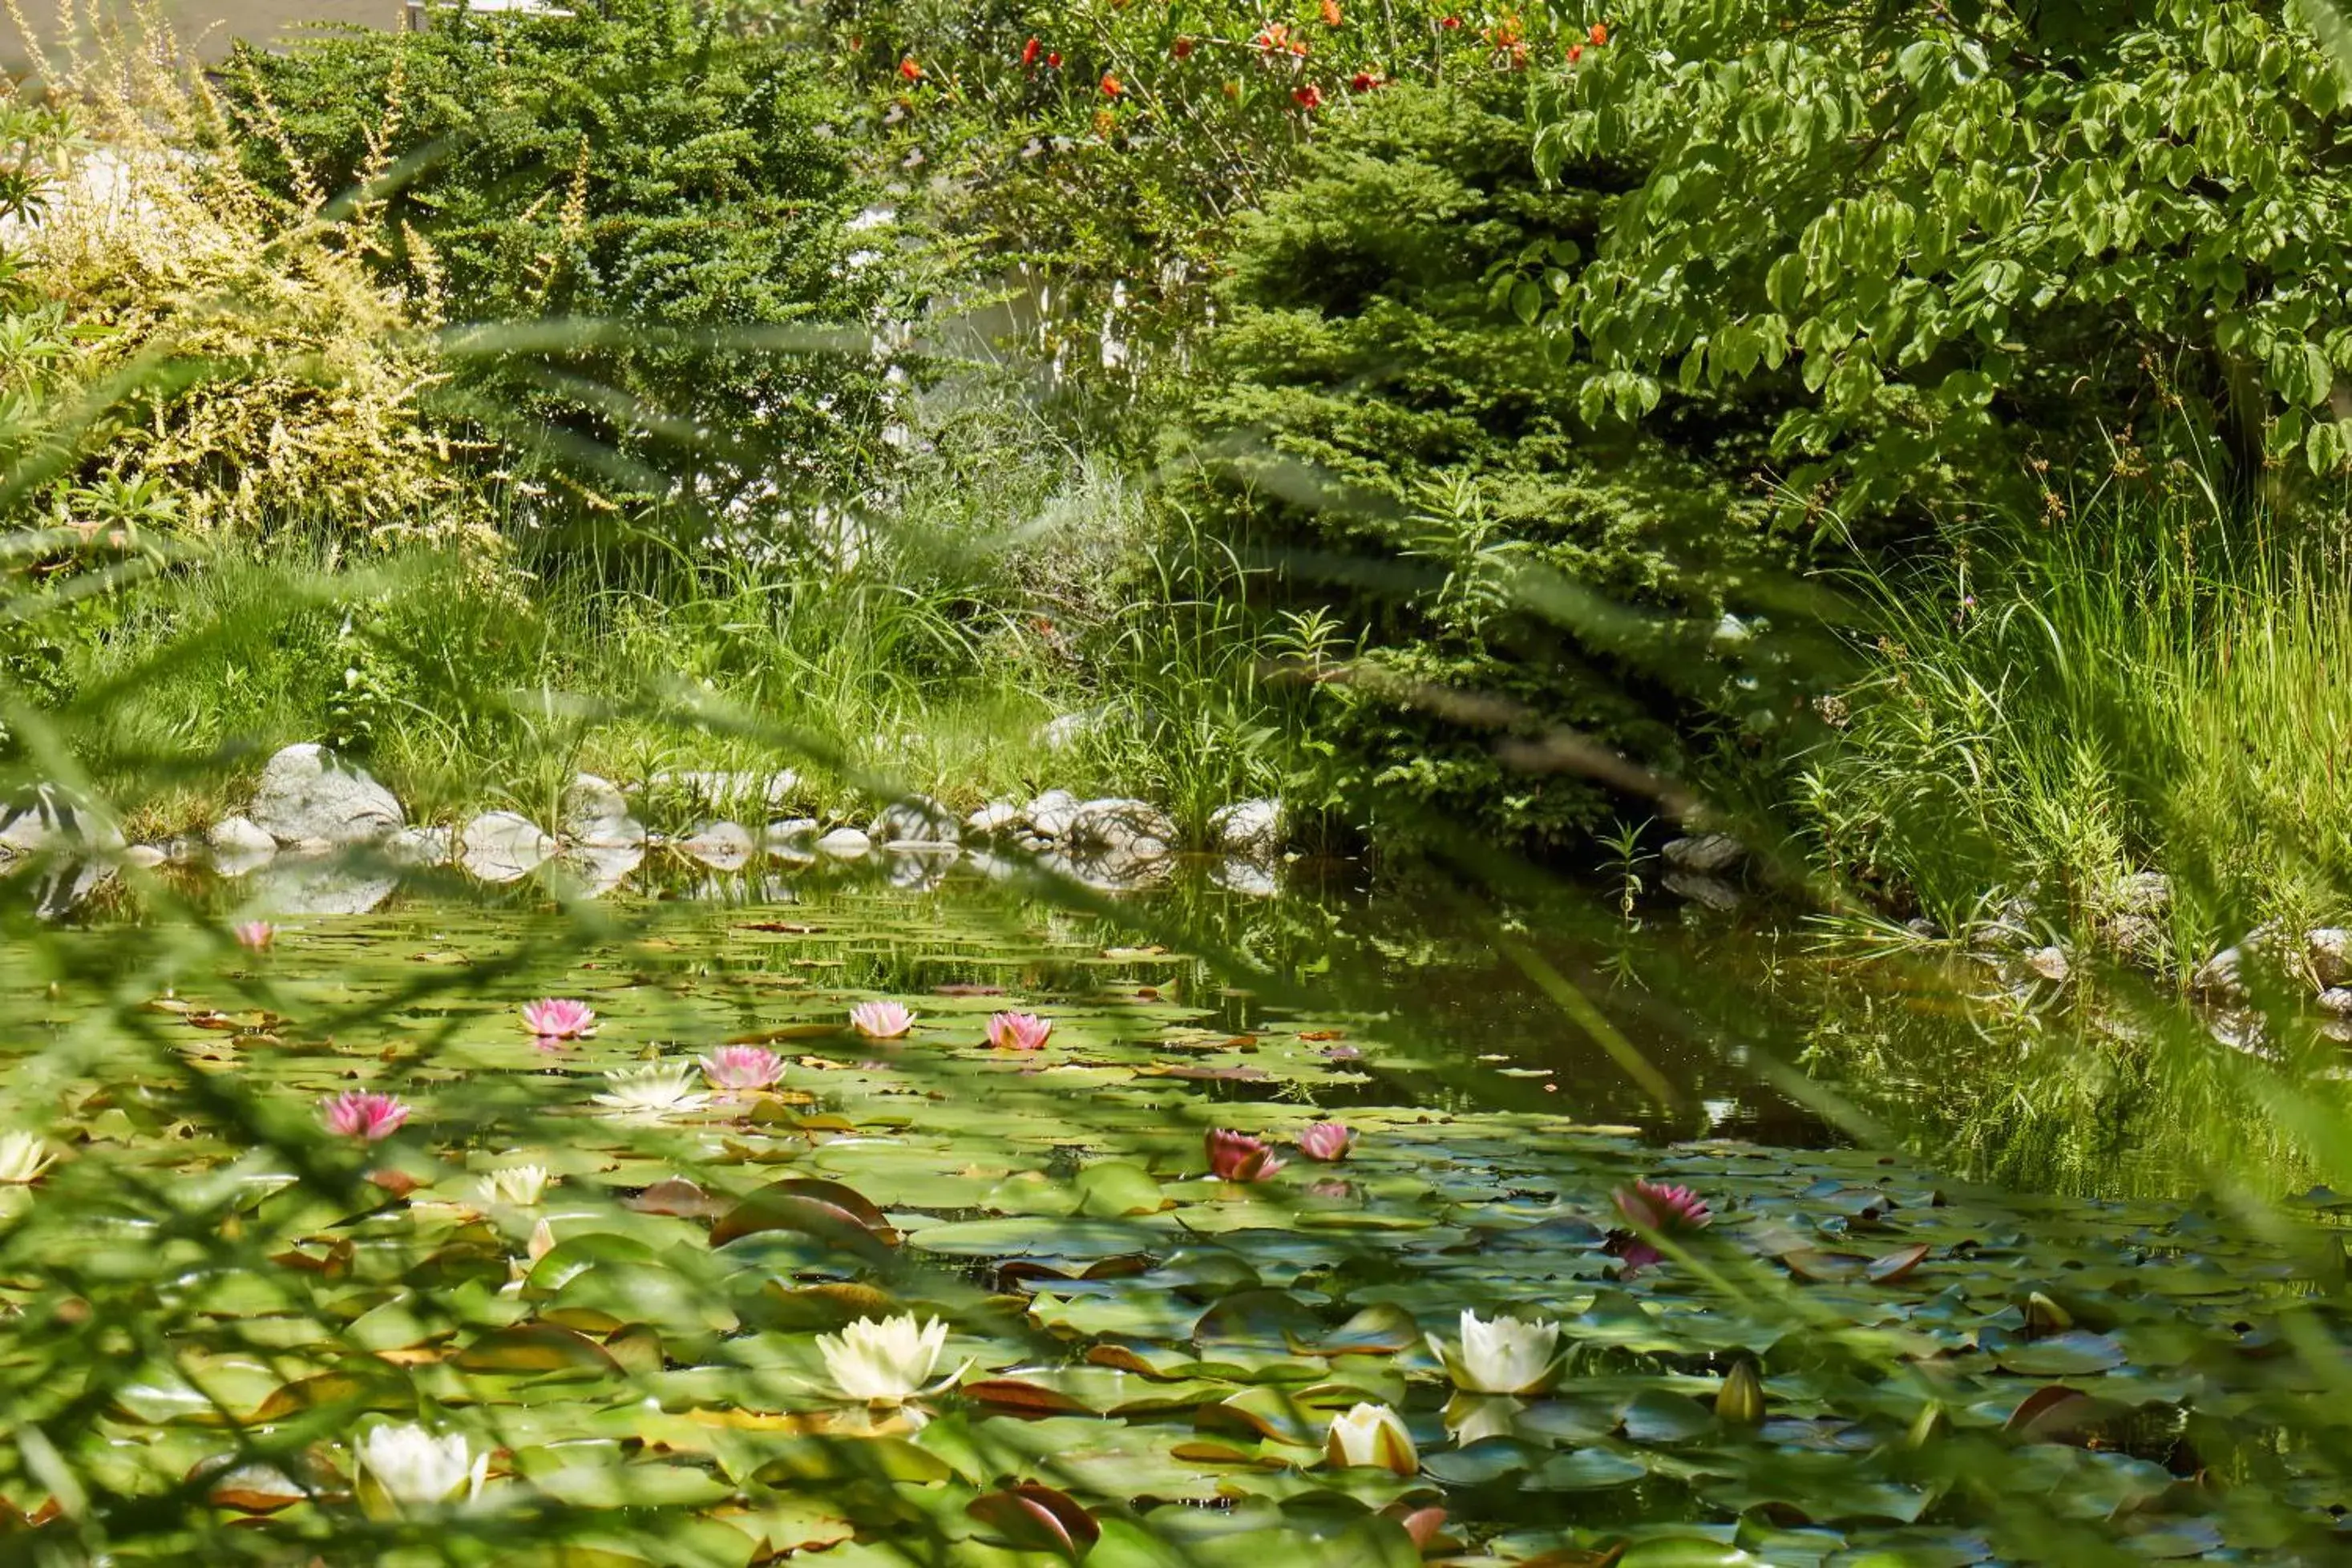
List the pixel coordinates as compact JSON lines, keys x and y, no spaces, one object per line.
{"x":1371,"y":1435}
{"x":660,"y":1089}
{"x":22,"y":1157}
{"x":520,"y":1186}
{"x":885,"y":1361}
{"x":1504,"y":1356}
{"x":408,"y":1467}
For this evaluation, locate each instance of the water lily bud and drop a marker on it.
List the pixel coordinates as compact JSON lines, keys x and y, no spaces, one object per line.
{"x":405,"y":1467}
{"x":1741,"y":1400}
{"x":2045,"y":1316}
{"x":1371,"y":1435}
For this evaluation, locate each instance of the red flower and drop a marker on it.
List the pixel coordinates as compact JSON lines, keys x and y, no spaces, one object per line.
{"x":1054,"y":61}
{"x":1362,"y":81}
{"x":1600,"y":34}
{"x":909,"y":69}
{"x":1238,"y":1157}
{"x":1110,"y":86}
{"x":1029,"y":52}
{"x":1307,"y":97}
{"x":1181,"y":49}
{"x":1274,"y":38}
{"x":1450,"y":23}
{"x":1575,"y":53}
{"x":1330,"y":12}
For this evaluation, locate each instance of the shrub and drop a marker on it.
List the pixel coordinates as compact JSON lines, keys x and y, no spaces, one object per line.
{"x":665,"y":203}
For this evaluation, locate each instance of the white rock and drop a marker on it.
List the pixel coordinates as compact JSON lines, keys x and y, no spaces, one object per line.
{"x":307,"y":795}
{"x":2223,"y":974}
{"x":146,"y":856}
{"x":2329,"y":953}
{"x":2051,"y":964}
{"x":1705,"y":853}
{"x":997,"y":816}
{"x":721,"y":845}
{"x":792,"y":832}
{"x":1049,"y":815}
{"x":318,"y":885}
{"x":844,"y":843}
{"x":595,"y":870}
{"x":595,"y":813}
{"x":2337,"y":1000}
{"x":502,"y":846}
{"x":50,"y":820}
{"x":240,"y":837}
{"x":1248,"y":827}
{"x":918,"y":819}
{"x":2145,"y":893}
{"x":420,"y":846}
{"x":1245,"y":875}
{"x":1712,"y":892}
{"x":919,"y":870}
{"x":1121,"y":825}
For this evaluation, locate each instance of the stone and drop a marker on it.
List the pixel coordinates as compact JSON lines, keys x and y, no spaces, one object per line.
{"x":147,"y":856}
{"x":593,"y":813}
{"x":64,"y":884}
{"x":2146,"y":893}
{"x":2328,"y":951}
{"x":717,"y":788}
{"x":789,"y":832}
{"x":49,"y":819}
{"x":844,"y":843}
{"x":1049,"y":815}
{"x":1705,"y":855}
{"x":1245,"y":875}
{"x":919,"y":870}
{"x":998,"y":816}
{"x":1251,"y":828}
{"x":2049,"y":964}
{"x":308,"y":795}
{"x":721,"y":845}
{"x":1711,"y":892}
{"x":2222,"y":975}
{"x":502,"y":846}
{"x":2337,"y":999}
{"x":918,"y":819}
{"x":240,"y":839}
{"x":420,"y":846}
{"x":1120,"y":825}
{"x":595,"y":869}
{"x":1064,"y":730}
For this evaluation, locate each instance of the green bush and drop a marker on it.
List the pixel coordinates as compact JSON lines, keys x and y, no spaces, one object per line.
{"x":1408,"y":454}
{"x":662,"y":201}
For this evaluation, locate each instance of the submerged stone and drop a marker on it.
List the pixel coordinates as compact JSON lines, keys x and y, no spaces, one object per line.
{"x":502,"y":846}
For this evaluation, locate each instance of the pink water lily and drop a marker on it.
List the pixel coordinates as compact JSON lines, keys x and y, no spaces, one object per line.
{"x":1654,"y":1208}
{"x":881,"y":1020}
{"x":1326,"y":1140}
{"x":741,"y":1067}
{"x":1018,"y":1031}
{"x":1238,"y":1157}
{"x":559,"y":1018}
{"x":360,"y":1114}
{"x":254,"y":936}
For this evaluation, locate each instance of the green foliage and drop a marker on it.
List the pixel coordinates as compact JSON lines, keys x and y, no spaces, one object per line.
{"x":641,"y":214}
{"x":1381,"y":423}
{"x":1940,"y":253}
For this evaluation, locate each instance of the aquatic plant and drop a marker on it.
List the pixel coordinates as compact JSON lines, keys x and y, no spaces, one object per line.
{"x":884,"y":1360}
{"x":559,"y":1018}
{"x":22,"y":1157}
{"x":363,"y":1114}
{"x":521,"y":1185}
{"x":1501,"y":1356}
{"x":1018,"y":1031}
{"x":741,"y":1067}
{"x":881,"y":1020}
{"x":1239,"y":1157}
{"x":1661,"y":1208}
{"x":1326,"y":1140}
{"x":658,"y":1088}
{"x":1371,"y":1435}
{"x":254,"y":936}
{"x":400,"y":1468}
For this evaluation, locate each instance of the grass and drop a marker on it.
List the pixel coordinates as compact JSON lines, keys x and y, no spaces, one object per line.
{"x":2160,"y":687}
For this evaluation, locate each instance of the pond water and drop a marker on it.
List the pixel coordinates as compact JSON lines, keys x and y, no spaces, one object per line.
{"x":1854,"y":1360}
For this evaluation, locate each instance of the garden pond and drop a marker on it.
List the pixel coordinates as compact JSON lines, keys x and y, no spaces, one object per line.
{"x":622,"y":1284}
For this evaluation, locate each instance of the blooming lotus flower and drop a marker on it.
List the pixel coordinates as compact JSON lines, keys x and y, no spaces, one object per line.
{"x":1371,"y":1435}
{"x":741,"y":1067}
{"x":1326,"y":1140}
{"x":365,"y":1116}
{"x":1018,"y":1031}
{"x":22,"y":1157}
{"x":1667,"y":1210}
{"x":254,"y":936}
{"x":407,"y":1467}
{"x":1504,"y":1356}
{"x":518,"y":1184}
{"x":885,"y":1361}
{"x":880,"y":1020}
{"x":559,"y":1018}
{"x":1238,"y":1157}
{"x":661,"y":1088}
